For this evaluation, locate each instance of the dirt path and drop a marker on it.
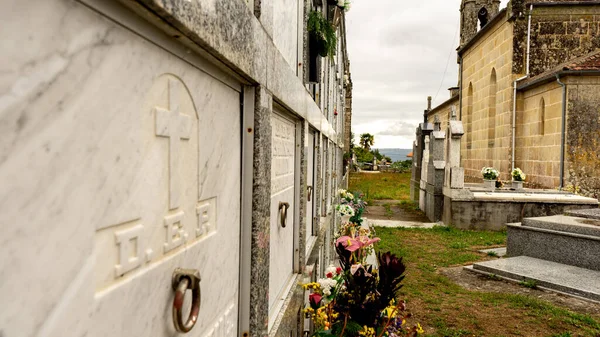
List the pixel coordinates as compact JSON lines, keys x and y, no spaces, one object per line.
{"x":394,"y":210}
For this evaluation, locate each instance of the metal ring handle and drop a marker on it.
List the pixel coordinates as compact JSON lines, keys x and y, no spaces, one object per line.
{"x":184,"y":282}
{"x":283,"y":208}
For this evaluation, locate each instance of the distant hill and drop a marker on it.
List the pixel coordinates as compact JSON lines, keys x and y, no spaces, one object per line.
{"x":396,"y":154}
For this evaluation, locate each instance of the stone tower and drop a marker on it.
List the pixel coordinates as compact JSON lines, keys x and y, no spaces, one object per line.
{"x":472,"y":14}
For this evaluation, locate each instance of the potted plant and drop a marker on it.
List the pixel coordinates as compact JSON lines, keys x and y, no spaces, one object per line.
{"x":490,"y":175}
{"x":322,"y":34}
{"x":517,"y":178}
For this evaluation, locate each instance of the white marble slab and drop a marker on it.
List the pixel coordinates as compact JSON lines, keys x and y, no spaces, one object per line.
{"x":119,"y":162}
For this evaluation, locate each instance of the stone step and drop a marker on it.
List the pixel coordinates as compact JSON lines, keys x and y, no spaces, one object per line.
{"x":575,"y":281}
{"x":570,"y":248}
{"x":565,"y":223}
{"x":592,"y":213}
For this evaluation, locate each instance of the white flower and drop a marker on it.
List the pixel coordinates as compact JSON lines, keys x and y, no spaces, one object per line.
{"x":518,"y":175}
{"x":345,"y":210}
{"x":341,"y":3}
{"x":489,"y":173}
{"x":326,"y":285}
{"x":331,"y":269}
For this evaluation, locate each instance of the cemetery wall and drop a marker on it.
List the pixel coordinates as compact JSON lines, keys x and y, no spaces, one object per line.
{"x":558,"y":33}
{"x":583,"y":135}
{"x":443,"y":112}
{"x":194,"y":190}
{"x":538,"y":134}
{"x":487,"y":100}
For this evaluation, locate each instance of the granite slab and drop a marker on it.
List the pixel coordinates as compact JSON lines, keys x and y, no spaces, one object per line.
{"x":592,"y":213}
{"x":575,"y":281}
{"x":565,"y":223}
{"x":553,"y":245}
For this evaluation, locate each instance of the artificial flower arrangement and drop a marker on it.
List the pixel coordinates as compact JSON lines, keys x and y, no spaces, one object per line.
{"x":344,"y":4}
{"x":355,"y":202}
{"x":345,"y":210}
{"x":489,"y":173}
{"x":356,"y":299}
{"x":518,"y":175}
{"x":345,"y":195}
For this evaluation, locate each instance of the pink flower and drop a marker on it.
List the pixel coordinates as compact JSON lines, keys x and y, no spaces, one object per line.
{"x":355,"y":267}
{"x":349,"y":243}
{"x":366,"y":241}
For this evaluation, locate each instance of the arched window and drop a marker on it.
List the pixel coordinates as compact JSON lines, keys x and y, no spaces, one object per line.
{"x":492,"y":108}
{"x":469,"y":119}
{"x":541,"y":127}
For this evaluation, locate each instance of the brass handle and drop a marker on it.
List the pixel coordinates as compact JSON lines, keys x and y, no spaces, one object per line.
{"x":283,"y":208}
{"x":184,"y":279}
{"x":310,"y":190}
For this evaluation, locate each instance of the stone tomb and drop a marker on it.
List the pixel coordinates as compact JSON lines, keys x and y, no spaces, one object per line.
{"x":120,"y":162}
{"x":434,"y":200}
{"x":419,"y":149}
{"x":559,"y":252}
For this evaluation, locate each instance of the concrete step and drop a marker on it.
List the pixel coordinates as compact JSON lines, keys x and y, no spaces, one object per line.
{"x":546,"y":242}
{"x":575,"y":281}
{"x":565,"y":223}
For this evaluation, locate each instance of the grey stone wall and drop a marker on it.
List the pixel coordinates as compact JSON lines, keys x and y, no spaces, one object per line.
{"x":261,"y":214}
{"x":583,"y":138}
{"x":558,"y":34}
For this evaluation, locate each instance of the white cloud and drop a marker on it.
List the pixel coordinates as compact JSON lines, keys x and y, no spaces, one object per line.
{"x":398,"y":52}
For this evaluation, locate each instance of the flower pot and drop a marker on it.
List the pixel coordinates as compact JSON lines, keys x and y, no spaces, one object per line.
{"x":489,"y":185}
{"x":517,"y":185}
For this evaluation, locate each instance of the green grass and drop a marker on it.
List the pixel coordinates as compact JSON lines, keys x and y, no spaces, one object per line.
{"x":492,"y":253}
{"x":531,"y":284}
{"x":446,"y":309}
{"x":395,"y":186}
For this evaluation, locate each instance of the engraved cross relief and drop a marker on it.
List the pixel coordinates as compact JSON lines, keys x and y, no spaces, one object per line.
{"x":134,"y":243}
{"x":175,"y":126}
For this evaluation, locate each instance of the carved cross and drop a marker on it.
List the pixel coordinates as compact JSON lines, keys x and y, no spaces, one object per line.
{"x":172,"y":124}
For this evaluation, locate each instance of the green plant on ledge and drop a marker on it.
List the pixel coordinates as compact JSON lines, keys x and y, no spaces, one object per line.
{"x":323,"y":33}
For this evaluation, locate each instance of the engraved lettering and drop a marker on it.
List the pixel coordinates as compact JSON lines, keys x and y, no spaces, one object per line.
{"x":176,"y":236}
{"x":125,"y":239}
{"x":206,"y":211}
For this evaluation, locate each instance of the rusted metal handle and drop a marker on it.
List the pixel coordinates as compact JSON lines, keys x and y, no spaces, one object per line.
{"x":310,"y":190}
{"x":184,"y":279}
{"x":283,"y":208}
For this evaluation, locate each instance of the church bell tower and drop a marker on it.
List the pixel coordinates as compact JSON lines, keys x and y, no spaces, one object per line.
{"x":474,"y":15}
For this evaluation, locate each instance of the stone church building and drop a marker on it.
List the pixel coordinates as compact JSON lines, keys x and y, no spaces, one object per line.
{"x":528,"y":92}
{"x":167,"y":166}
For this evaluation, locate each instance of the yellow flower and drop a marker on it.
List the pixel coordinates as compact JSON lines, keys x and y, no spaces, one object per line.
{"x":367,"y":332}
{"x":390,"y":311}
{"x":419,"y":329}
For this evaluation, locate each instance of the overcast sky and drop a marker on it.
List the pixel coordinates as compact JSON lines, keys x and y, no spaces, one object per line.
{"x":398,"y":51}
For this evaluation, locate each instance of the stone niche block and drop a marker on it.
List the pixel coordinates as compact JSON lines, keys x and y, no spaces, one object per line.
{"x":439,"y":164}
{"x":426,"y":127}
{"x":456,"y":129}
{"x":457,"y":177}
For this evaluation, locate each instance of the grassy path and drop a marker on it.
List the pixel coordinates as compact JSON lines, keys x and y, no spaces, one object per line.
{"x":446,"y":309}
